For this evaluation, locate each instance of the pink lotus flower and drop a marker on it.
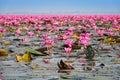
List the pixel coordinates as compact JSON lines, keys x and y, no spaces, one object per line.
{"x":30,"y":34}
{"x":67,"y":50}
{"x":64,"y":36}
{"x":38,"y":28}
{"x":69,"y":33}
{"x":48,"y":25}
{"x":44,"y":36}
{"x":71,"y":29}
{"x":95,"y":27}
{"x":18,"y":31}
{"x":24,"y":39}
{"x":69,"y":42}
{"x":83,"y":42}
{"x":53,"y":26}
{"x":25,"y":28}
{"x":110,"y":33}
{"x":56,"y":37}
{"x":100,"y":32}
{"x":109,"y":30}
{"x":47,"y":41}
{"x":2,"y":30}
{"x":118,"y":55}
{"x":84,"y":38}
{"x":102,"y":28}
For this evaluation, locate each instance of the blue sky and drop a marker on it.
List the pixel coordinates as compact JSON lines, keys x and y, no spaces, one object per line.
{"x":60,"y":6}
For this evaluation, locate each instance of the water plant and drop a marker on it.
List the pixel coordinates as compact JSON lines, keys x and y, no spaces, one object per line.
{"x":90,"y":52}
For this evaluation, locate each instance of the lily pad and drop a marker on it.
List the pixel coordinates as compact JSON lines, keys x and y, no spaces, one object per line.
{"x":34,"y":52}
{"x":3,"y":52}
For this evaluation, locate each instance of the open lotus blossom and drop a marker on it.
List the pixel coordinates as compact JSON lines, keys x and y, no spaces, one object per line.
{"x":30,"y":34}
{"x":84,"y":38}
{"x":71,"y":29}
{"x":48,"y":43}
{"x":44,"y":36}
{"x":24,"y":39}
{"x":84,"y":42}
{"x":95,"y":27}
{"x":56,"y":37}
{"x":110,"y":33}
{"x":68,"y":42}
{"x":109,"y":30}
{"x":38,"y":28}
{"x":64,"y":36}
{"x":18,"y":31}
{"x":100,"y":32}
{"x":67,"y":50}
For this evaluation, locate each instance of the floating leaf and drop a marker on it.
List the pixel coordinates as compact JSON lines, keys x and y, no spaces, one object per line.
{"x":34,"y":66}
{"x":1,"y":34}
{"x":18,"y":57}
{"x":65,"y":77}
{"x":6,"y":42}
{"x":115,"y":60}
{"x":34,"y":52}
{"x":3,"y":52}
{"x":107,"y":40}
{"x":26,"y":57}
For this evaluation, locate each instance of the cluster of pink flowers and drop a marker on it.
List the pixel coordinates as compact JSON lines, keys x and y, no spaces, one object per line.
{"x":46,"y":40}
{"x":32,"y":23}
{"x":84,"y":38}
{"x":30,"y":34}
{"x":68,"y":42}
{"x":110,"y":32}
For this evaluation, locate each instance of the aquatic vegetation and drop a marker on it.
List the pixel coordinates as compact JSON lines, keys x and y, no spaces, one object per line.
{"x":26,"y":57}
{"x":3,"y":52}
{"x":34,"y":66}
{"x":67,"y":50}
{"x":73,"y":77}
{"x":64,"y":66}
{"x":6,"y":42}
{"x":46,"y":39}
{"x":35,"y":52}
{"x":90,"y":52}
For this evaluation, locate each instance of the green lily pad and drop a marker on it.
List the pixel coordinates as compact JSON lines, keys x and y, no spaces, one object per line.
{"x":34,"y":52}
